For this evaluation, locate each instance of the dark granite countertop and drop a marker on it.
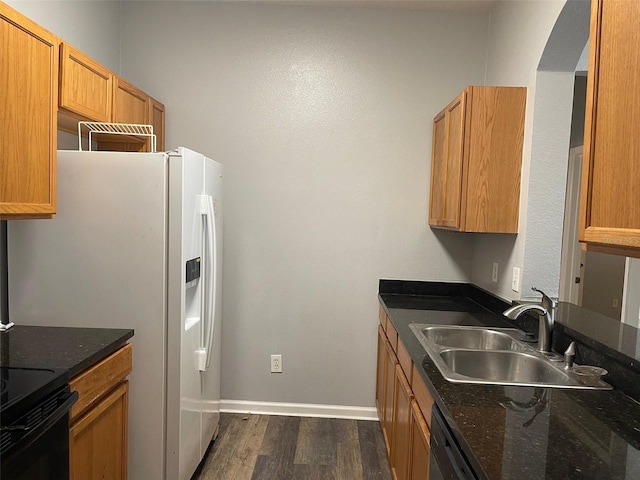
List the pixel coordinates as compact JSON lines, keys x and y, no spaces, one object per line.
{"x":522,"y":433}
{"x":70,"y":348}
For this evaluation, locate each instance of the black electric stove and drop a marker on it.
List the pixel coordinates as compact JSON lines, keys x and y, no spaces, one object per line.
{"x":34,"y":423}
{"x":23,"y":388}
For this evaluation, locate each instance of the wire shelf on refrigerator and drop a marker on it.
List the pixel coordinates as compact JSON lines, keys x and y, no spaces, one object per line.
{"x":129,"y":129}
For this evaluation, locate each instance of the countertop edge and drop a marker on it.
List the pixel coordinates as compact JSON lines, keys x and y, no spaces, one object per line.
{"x":104,"y":352}
{"x":73,"y":349}
{"x":417,"y":361}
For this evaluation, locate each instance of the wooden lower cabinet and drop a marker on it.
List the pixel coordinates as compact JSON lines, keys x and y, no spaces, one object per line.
{"x":401,"y":438}
{"x":404,"y":408}
{"x":99,"y":419}
{"x":380,"y":371}
{"x":419,"y":452}
{"x":387,"y":414}
{"x":98,"y":440}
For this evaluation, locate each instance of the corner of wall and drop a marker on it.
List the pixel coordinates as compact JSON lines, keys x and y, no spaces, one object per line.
{"x":486,"y":57}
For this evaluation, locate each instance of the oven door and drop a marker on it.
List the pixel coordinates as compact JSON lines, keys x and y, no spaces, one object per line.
{"x":37,"y":445}
{"x":447,"y":462}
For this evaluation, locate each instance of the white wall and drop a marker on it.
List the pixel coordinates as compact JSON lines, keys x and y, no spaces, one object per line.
{"x":91,"y":26}
{"x":518,"y":35}
{"x":322,"y":118}
{"x":525,"y":37}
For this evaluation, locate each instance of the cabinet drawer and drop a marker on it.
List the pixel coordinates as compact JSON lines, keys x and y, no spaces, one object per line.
{"x":96,"y":381}
{"x":422,"y":396}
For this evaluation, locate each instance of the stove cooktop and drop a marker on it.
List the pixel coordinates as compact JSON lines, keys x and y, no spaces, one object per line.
{"x":21,"y":388}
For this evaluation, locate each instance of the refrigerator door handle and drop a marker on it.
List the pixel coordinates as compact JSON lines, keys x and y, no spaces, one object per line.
{"x":213,"y":286}
{"x":211,"y":281}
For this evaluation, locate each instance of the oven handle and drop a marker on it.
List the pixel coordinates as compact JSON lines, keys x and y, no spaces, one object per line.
{"x":33,"y":434}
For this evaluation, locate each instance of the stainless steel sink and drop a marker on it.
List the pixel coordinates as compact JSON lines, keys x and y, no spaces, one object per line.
{"x":473,"y":337}
{"x":494,"y":356}
{"x":500,"y":366}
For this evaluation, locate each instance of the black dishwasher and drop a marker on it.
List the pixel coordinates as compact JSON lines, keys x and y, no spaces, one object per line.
{"x":447,"y":460}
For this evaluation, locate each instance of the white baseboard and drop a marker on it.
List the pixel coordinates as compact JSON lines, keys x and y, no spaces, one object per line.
{"x":299,"y":409}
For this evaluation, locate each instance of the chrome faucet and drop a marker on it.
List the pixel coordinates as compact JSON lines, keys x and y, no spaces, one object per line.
{"x":546,"y":315}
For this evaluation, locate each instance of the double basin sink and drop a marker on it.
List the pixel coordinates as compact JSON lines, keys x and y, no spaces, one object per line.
{"x":496,"y":356}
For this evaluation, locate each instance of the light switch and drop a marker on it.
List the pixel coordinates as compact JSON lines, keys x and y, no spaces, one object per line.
{"x":515,"y":280}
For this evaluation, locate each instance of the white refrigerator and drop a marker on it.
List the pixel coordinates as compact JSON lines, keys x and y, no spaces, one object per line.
{"x":137,"y":243}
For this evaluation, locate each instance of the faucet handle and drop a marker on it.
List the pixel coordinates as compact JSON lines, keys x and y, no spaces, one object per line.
{"x":547,"y":302}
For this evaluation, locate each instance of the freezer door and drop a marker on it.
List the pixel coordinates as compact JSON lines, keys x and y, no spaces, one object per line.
{"x":186,"y":311}
{"x":210,"y":377}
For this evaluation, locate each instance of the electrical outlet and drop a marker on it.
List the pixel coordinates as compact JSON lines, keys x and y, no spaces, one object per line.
{"x":276,"y":363}
{"x":494,"y":273}
{"x":615,"y":303}
{"x":515,"y":280}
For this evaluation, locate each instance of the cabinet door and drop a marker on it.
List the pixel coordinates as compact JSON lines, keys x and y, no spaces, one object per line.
{"x":401,"y":425}
{"x":610,"y":202}
{"x":28,"y":117}
{"x":85,"y":85}
{"x":494,"y":134}
{"x":453,"y":178}
{"x":380,"y":371}
{"x":476,"y":161}
{"x":387,"y":417}
{"x":438,"y":171}
{"x":98,"y":440}
{"x":419,"y":451}
{"x":156,"y":117}
{"x":446,"y":165}
{"x":130,"y":104}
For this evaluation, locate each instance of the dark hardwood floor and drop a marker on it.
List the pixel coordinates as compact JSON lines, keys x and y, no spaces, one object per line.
{"x":263,"y":447}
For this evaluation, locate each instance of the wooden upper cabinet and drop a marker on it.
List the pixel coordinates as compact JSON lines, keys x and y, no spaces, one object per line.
{"x":130,"y":104}
{"x":28,"y":110}
{"x":610,"y":194}
{"x":156,"y":119}
{"x":86,"y":87}
{"x":476,"y":161}
{"x":438,"y":172}
{"x":446,"y":182}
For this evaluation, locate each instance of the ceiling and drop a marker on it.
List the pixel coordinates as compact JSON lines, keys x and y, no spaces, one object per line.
{"x":483,"y":6}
